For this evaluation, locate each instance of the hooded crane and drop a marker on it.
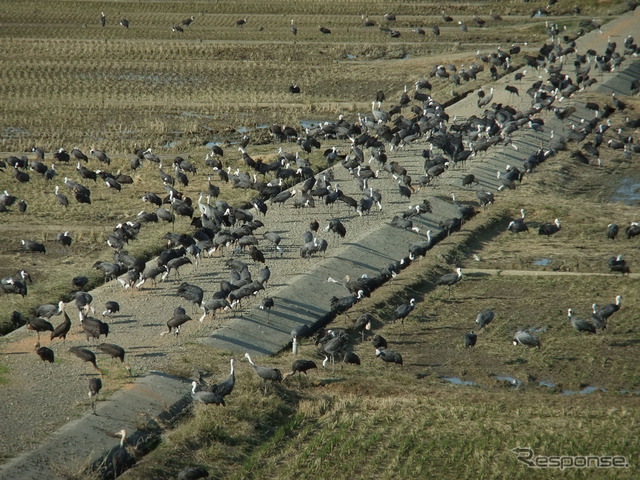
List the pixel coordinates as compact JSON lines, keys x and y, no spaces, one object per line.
{"x":302,"y":366}
{"x":518,"y":225}
{"x":93,"y":327}
{"x":450,"y":279}
{"x":61,"y":330}
{"x":175,"y":322}
{"x":470,"y":339}
{"x":45,"y":354}
{"x":49,"y":310}
{"x":121,"y":458}
{"x":191,"y":293}
{"x":580,"y":324}
{"x":193,"y":473}
{"x":95,"y":385}
{"x":114,"y":351}
{"x":607,"y":310}
{"x":205,"y":397}
{"x":522,"y":337}
{"x":549,"y":229}
{"x":225,"y":387}
{"x":265,"y":373}
{"x":402,"y":311}
{"x":484,"y":318}
{"x":101,"y":156}
{"x":86,"y":356}
{"x":363,"y":324}
{"x":598,"y":321}
{"x":111,"y":307}
{"x":389,"y":356}
{"x":334,"y":343}
{"x":38,"y":325}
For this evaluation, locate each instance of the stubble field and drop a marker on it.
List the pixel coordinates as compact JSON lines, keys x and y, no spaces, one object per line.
{"x":66,"y":81}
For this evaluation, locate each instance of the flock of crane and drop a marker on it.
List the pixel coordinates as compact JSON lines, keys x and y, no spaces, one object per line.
{"x":221,"y":227}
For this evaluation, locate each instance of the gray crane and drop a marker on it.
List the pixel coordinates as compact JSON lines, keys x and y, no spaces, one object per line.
{"x":205,"y":397}
{"x":49,"y":310}
{"x":484,"y":318}
{"x":45,"y":354}
{"x":403,"y":311}
{"x":114,"y":351}
{"x":39,"y":325}
{"x":176,"y":322}
{"x":450,"y":279}
{"x":302,"y":366}
{"x":522,"y":337}
{"x":389,"y":356}
{"x":61,"y":330}
{"x":86,"y":356}
{"x":470,"y":339}
{"x":265,"y":373}
{"x":95,"y":385}
{"x":580,"y":324}
{"x":225,"y":387}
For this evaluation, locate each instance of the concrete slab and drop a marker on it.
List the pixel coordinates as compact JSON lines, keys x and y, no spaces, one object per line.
{"x":84,"y":442}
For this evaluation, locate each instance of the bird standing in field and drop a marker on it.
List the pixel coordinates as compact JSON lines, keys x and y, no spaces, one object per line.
{"x":302,"y":366}
{"x":389,"y":356}
{"x":225,"y":387}
{"x":450,"y":279}
{"x":522,"y":337}
{"x":38,"y":325}
{"x":607,"y":310}
{"x":176,"y":321}
{"x":549,"y":229}
{"x":111,"y":307}
{"x":95,"y":385}
{"x":45,"y":354}
{"x":402,"y":311}
{"x":470,"y":339}
{"x":205,"y":397}
{"x":267,"y":304}
{"x":580,"y":324}
{"x":612,"y":231}
{"x":61,"y":330}
{"x":86,"y":356}
{"x":484,"y":318}
{"x":121,"y":458}
{"x":512,"y":90}
{"x":114,"y":351}
{"x":265,"y":373}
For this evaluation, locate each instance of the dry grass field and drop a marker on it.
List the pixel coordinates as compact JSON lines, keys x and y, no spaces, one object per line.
{"x":409,"y":421}
{"x":69,"y":82}
{"x":66,"y":81}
